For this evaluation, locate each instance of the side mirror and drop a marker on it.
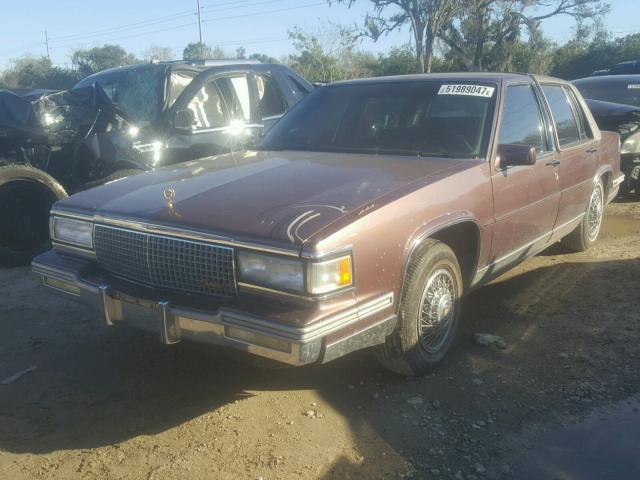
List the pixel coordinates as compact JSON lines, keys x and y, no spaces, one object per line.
{"x":183,"y":121}
{"x":515,"y":155}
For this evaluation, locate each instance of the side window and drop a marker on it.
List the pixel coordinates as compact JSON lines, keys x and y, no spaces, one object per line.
{"x":177,"y":83}
{"x":236,"y":94}
{"x":272,"y":103}
{"x":208,"y":107}
{"x":563,"y":114}
{"x":522,"y":120}
{"x":583,"y":126}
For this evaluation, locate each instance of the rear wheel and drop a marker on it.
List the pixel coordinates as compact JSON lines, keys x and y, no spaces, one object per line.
{"x":26,"y":196}
{"x":429,"y":312}
{"x":586,"y":233}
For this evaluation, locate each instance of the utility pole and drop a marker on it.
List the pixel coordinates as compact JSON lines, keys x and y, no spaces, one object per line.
{"x":46,"y":42}
{"x":200,"y":32}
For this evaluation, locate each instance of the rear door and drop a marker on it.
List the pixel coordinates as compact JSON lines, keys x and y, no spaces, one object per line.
{"x":526,"y":198}
{"x":578,"y":152}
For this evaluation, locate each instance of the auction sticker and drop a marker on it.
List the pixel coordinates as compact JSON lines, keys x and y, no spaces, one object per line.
{"x":473,"y":90}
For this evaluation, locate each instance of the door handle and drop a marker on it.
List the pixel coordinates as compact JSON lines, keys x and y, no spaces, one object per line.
{"x":553,"y":163}
{"x":592,"y":150}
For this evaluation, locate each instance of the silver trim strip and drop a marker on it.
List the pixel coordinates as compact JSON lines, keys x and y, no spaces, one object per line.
{"x":617,"y":181}
{"x":533,"y":242}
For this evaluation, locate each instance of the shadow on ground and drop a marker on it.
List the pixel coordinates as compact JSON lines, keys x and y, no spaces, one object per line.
{"x":96,"y":387}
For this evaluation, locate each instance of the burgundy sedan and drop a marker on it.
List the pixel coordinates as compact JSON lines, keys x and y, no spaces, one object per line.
{"x":360,"y":220}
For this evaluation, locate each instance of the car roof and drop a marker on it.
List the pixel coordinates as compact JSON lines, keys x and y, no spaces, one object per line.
{"x":608,"y":79}
{"x":197,"y":65}
{"x":493,"y":77}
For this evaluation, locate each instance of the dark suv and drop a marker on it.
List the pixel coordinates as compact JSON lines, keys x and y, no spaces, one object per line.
{"x":124,"y":121}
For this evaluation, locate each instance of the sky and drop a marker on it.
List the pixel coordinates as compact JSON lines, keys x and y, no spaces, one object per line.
{"x":259,"y":25}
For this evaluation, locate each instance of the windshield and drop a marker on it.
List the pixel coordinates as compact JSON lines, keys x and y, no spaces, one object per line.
{"x":422,"y":118}
{"x":138,"y":92}
{"x":626,"y":92}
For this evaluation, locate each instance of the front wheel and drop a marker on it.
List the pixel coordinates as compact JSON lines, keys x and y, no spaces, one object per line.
{"x":586,"y":233}
{"x":429,"y":312}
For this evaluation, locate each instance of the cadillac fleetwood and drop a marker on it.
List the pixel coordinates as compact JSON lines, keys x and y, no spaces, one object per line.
{"x":359,"y":220}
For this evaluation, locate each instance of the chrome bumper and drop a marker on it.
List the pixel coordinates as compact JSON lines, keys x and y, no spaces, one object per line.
{"x":224,"y":327}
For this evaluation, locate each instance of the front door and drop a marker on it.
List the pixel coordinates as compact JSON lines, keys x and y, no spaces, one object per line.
{"x":526,"y":198}
{"x":223,"y":107}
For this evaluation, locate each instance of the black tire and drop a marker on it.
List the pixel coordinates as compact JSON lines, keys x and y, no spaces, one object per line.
{"x":410,"y":350}
{"x":586,"y":233}
{"x":26,"y":196}
{"x":117,"y":175}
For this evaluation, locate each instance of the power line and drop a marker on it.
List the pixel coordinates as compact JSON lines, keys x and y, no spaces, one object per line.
{"x":230,"y":17}
{"x":142,"y":34}
{"x":130,"y":26}
{"x":235,"y":6}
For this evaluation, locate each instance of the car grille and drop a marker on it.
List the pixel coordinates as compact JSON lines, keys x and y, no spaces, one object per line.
{"x":166,"y":262}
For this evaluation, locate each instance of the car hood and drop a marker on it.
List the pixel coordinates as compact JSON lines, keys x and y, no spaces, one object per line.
{"x":271,"y":197}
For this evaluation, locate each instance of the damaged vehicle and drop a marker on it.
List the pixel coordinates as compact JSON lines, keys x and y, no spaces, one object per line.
{"x":615,"y":104}
{"x":121,"y":122}
{"x":360,"y":220}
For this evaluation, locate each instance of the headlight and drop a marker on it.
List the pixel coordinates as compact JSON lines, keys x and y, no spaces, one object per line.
{"x":631,"y":144}
{"x":287,"y":274}
{"x":325,"y":277}
{"x":271,"y":271}
{"x":75,"y":232}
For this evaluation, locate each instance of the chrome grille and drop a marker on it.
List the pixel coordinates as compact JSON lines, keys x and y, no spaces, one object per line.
{"x":166,"y":262}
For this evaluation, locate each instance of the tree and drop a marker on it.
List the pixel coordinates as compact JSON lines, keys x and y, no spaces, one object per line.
{"x":261,"y":57}
{"x":576,"y":60}
{"x":89,"y":61}
{"x":426,"y":18}
{"x":37,"y":72}
{"x":399,"y":61}
{"x":241,"y":53}
{"x":484,"y":34}
{"x":198,"y":51}
{"x":156,"y":53}
{"x":312,"y":60}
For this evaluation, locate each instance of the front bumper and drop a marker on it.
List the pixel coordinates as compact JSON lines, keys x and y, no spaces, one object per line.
{"x":353,"y":329}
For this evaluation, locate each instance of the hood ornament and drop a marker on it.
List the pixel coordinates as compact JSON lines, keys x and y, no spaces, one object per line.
{"x":169,"y":195}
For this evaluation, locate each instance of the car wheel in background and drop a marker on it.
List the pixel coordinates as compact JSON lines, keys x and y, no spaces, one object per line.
{"x":26,"y":196}
{"x":586,"y":233}
{"x":429,"y":312}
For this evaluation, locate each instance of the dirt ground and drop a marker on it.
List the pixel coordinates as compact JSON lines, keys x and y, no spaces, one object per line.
{"x":113,"y":403}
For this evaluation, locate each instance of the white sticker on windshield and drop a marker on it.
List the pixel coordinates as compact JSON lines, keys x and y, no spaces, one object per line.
{"x":473,"y":90}
{"x":634,"y":86}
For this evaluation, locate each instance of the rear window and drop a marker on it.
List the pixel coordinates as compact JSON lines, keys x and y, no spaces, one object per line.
{"x":430,"y":119}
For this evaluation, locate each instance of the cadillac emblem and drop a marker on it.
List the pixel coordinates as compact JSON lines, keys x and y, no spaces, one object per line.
{"x":169,"y":194}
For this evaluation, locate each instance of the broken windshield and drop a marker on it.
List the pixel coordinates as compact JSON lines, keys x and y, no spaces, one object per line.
{"x":137,"y":92}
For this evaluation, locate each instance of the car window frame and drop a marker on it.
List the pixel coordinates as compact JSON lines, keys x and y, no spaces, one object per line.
{"x":274,"y":79}
{"x":544,"y":114}
{"x":225,"y":106}
{"x":579,"y":111}
{"x":573,"y":145}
